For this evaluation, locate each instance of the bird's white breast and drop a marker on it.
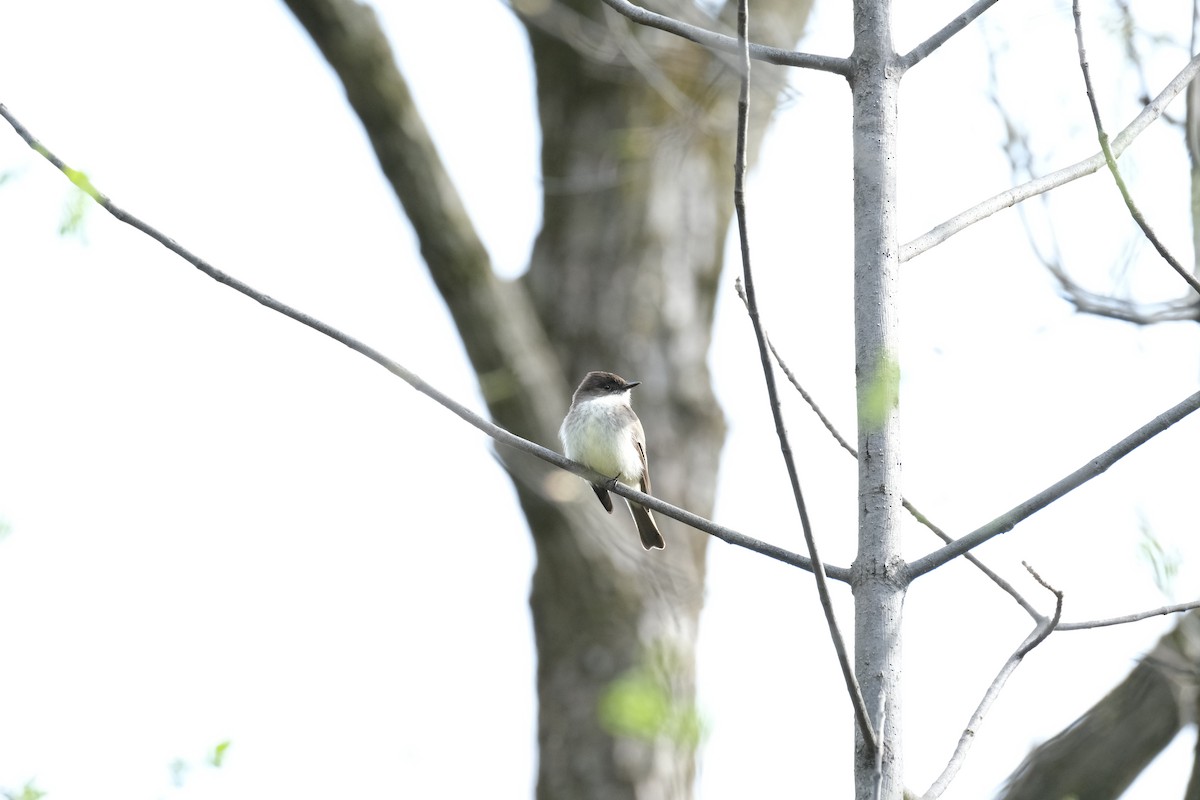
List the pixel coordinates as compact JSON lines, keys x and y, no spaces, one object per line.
{"x":599,"y":434}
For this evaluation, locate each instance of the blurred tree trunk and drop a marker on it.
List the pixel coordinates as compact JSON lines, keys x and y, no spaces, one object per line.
{"x":637,"y":162}
{"x":1098,"y":755}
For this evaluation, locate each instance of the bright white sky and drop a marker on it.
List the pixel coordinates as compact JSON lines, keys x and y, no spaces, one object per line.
{"x":224,"y":527}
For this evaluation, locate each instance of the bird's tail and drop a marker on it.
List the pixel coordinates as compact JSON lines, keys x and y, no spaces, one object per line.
{"x":651,"y":538}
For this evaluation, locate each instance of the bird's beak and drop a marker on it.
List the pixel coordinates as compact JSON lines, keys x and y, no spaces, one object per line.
{"x":632,"y":384}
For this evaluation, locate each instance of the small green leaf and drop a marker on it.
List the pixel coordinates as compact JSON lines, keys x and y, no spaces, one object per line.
{"x":881,"y":395}
{"x":1164,"y":563}
{"x":81,"y":180}
{"x":28,"y":792}
{"x":76,"y":209}
{"x":641,"y":704}
{"x":218,"y":753}
{"x":634,"y":706}
{"x":74,"y":213}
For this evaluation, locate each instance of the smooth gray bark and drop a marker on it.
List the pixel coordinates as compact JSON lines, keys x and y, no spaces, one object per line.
{"x":878,"y":578}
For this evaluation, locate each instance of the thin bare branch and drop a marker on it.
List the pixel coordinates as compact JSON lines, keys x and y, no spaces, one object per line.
{"x":1039,"y":634}
{"x":1096,"y":466}
{"x":918,"y":53}
{"x":1018,"y":194}
{"x":728,"y":44}
{"x":1138,"y":617}
{"x":739,"y":204}
{"x":412,"y":379}
{"x":1103,"y":305}
{"x":1020,"y":161}
{"x":973,"y":559}
{"x":853,"y":451}
{"x":808,"y":398}
{"x":1111,"y":160}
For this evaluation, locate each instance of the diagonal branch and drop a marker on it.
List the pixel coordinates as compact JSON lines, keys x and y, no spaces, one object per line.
{"x":1096,"y":466}
{"x":1020,"y":161}
{"x":728,"y":44}
{"x":1039,"y":634}
{"x":1111,"y":160}
{"x":908,"y":506}
{"x":918,"y":53}
{"x":1018,"y":194}
{"x":991,"y":574}
{"x":500,"y":331}
{"x":491,"y":429}
{"x":739,"y":204}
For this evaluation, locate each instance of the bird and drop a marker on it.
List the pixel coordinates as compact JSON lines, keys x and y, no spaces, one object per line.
{"x":602,"y":432}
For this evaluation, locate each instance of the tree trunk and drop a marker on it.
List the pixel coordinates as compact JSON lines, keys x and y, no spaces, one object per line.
{"x":878,"y":578}
{"x":1098,"y":755}
{"x":637,"y":160}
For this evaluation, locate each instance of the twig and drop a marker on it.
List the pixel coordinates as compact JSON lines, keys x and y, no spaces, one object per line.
{"x":1111,"y":160}
{"x":1058,"y":605}
{"x":1039,"y":634}
{"x":739,"y":204}
{"x":491,"y":429}
{"x":1018,"y":194}
{"x":1102,"y":305}
{"x":955,"y":25}
{"x":728,"y":44}
{"x":1138,"y":617}
{"x":1096,"y":466}
{"x":808,"y":398}
{"x":909,"y":507}
{"x":973,"y":559}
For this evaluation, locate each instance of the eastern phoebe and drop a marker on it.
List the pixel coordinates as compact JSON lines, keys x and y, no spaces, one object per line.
{"x":602,"y":433}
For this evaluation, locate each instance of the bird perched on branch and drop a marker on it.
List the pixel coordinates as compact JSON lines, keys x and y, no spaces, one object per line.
{"x":601,"y":432}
